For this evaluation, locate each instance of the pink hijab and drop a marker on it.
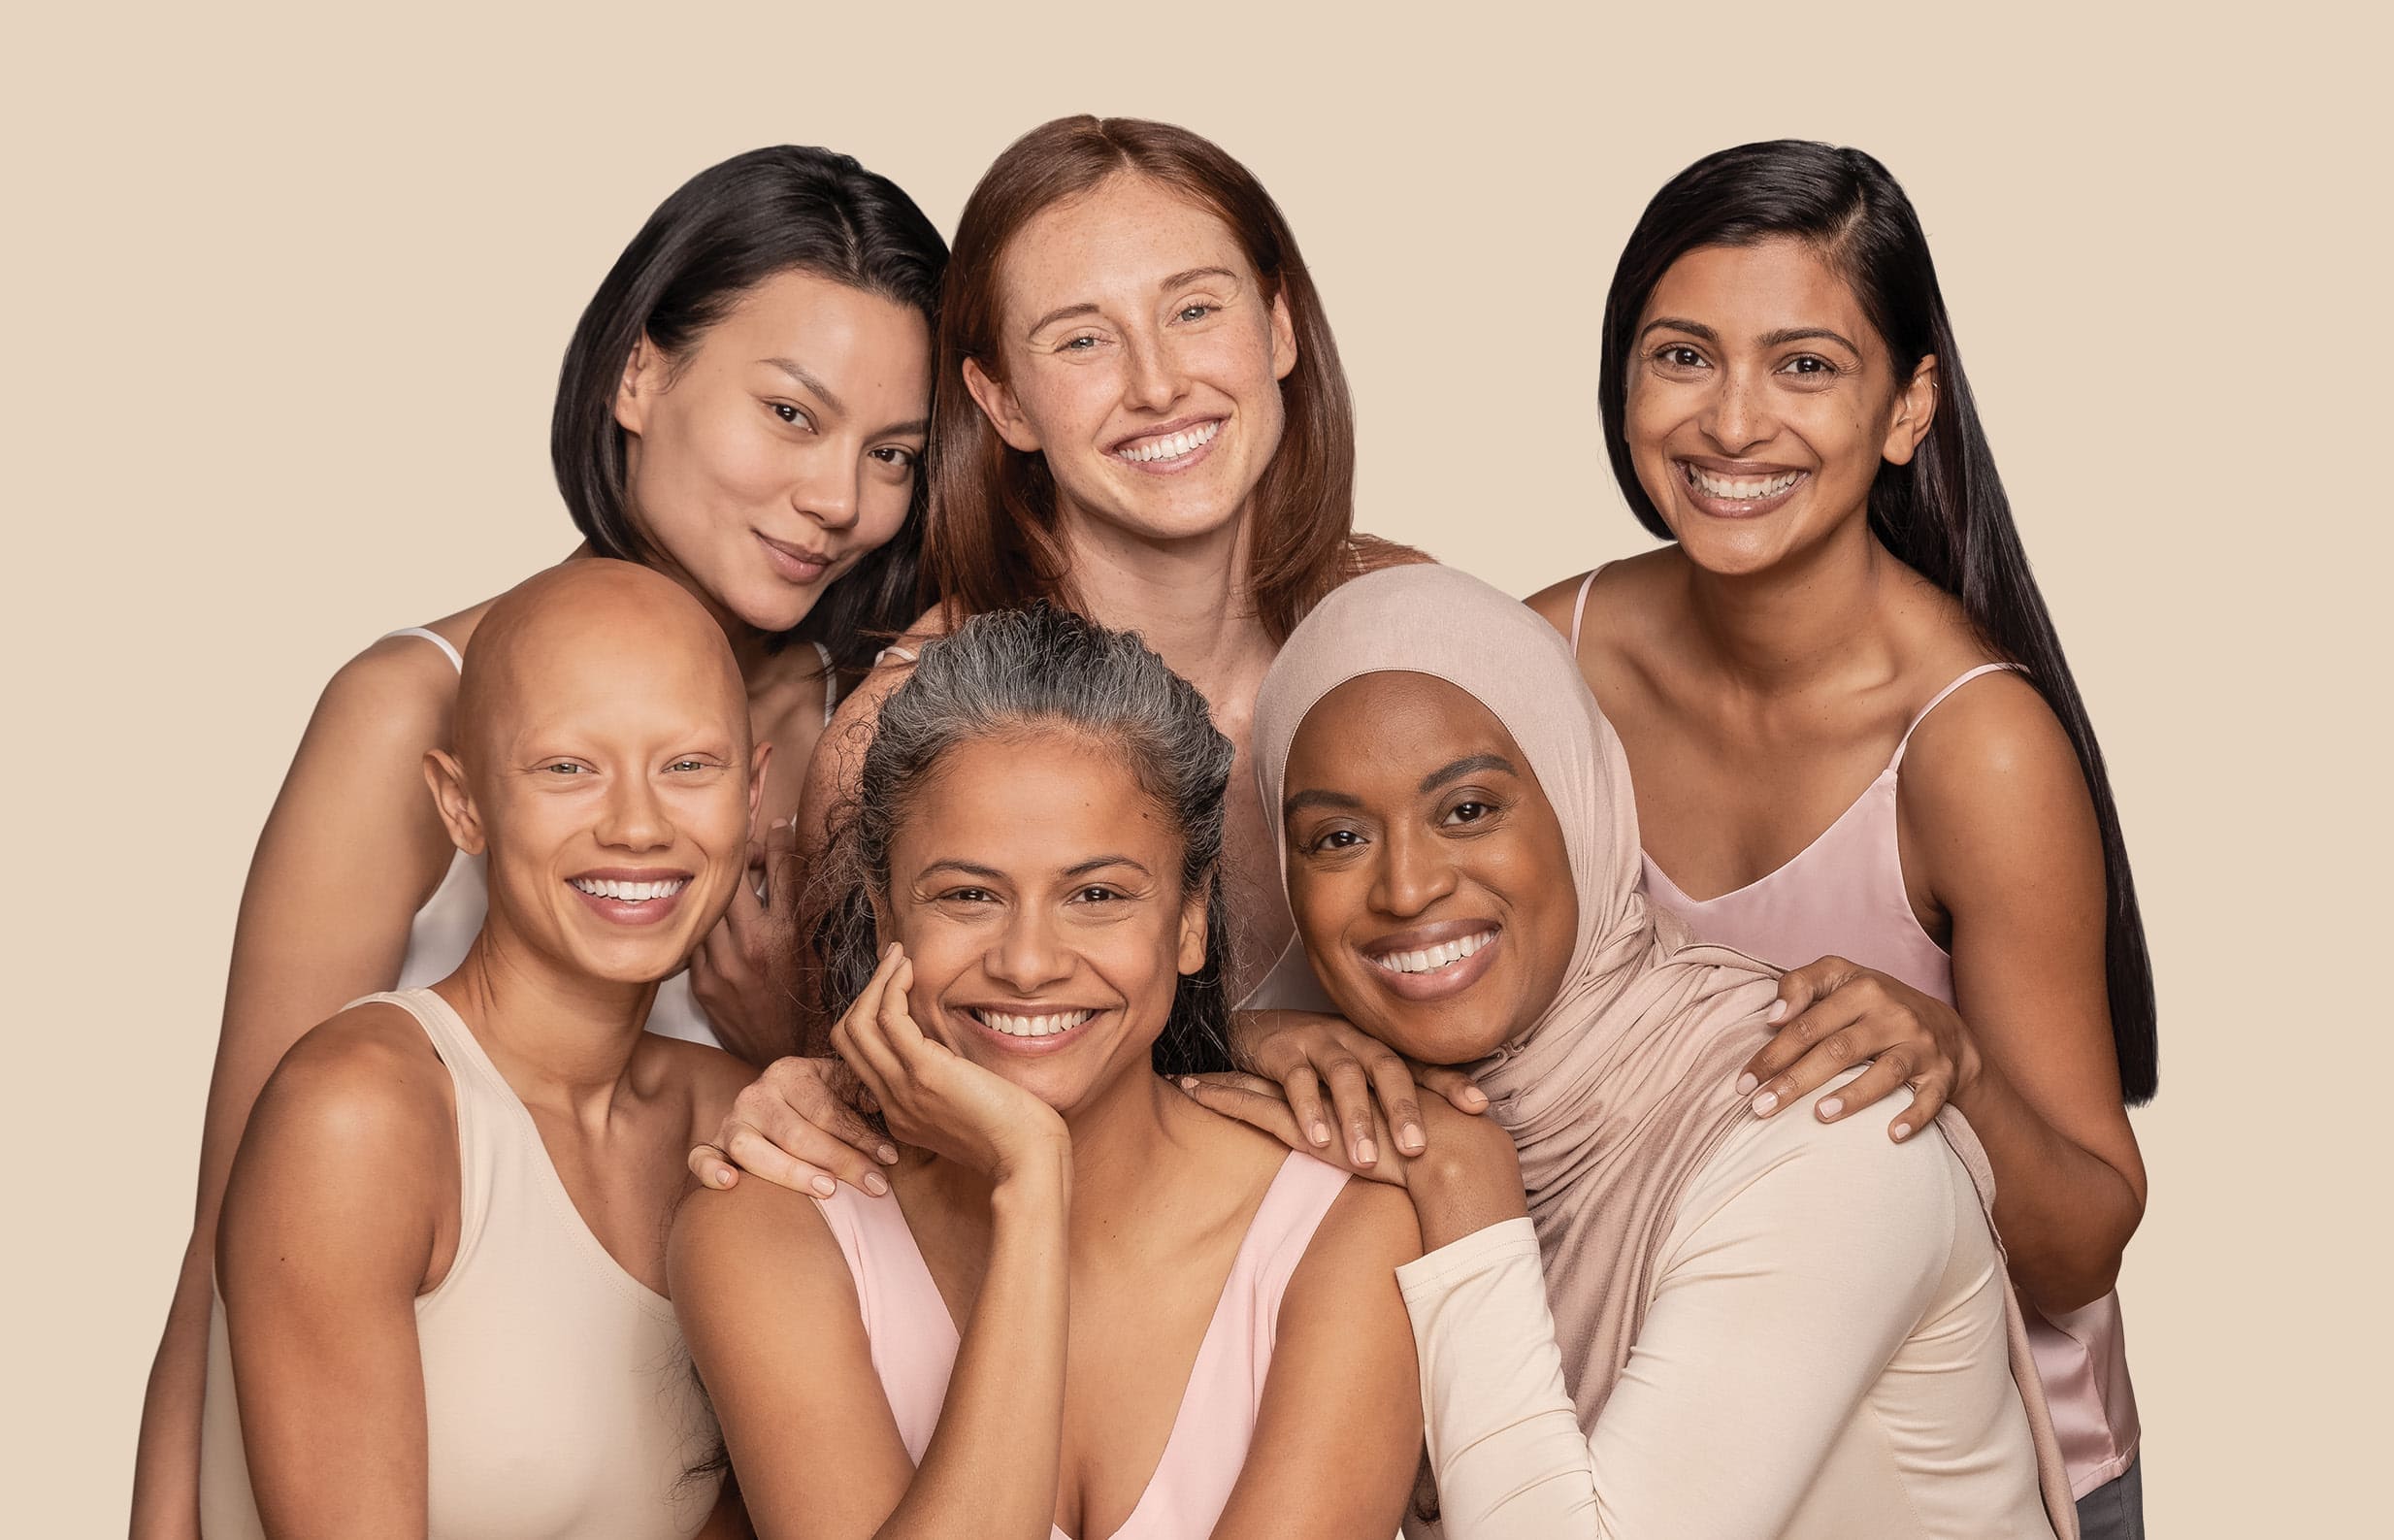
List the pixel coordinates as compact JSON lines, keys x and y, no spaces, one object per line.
{"x":1621,"y":1091}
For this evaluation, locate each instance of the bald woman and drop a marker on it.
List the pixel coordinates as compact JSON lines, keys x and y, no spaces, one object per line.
{"x":441,"y":1302}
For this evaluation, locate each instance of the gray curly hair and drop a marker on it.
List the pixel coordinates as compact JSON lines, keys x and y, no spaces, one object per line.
{"x":1010,"y":671}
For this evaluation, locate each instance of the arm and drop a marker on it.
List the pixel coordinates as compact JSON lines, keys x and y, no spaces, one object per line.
{"x":1997,"y":819}
{"x":310,"y":938}
{"x":332,"y":1221}
{"x":1682,"y":1448}
{"x":1341,"y":1341}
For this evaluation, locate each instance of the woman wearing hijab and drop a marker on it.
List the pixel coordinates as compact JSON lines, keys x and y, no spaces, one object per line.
{"x":1663,"y":1316}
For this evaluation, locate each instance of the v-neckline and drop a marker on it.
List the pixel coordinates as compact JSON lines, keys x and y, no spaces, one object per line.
{"x":1655,"y":866}
{"x":1208,"y":1345}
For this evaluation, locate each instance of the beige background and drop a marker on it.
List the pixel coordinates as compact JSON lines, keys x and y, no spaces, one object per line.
{"x":285,"y":298}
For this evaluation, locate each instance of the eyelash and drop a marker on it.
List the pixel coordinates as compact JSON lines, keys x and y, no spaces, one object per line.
{"x":1695,"y":360}
{"x":792,"y":416}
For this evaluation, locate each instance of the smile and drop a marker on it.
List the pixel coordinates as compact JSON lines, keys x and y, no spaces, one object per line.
{"x":1741,"y":493}
{"x":1011,"y":1025}
{"x":628,"y":892}
{"x":1429,"y":960}
{"x":1171,"y":446}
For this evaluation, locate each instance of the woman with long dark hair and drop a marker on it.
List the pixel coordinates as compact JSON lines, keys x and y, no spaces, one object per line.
{"x":744,"y":407}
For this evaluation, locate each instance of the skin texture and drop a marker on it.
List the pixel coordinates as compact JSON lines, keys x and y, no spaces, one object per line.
{"x":1761,"y":672}
{"x":310,"y":937}
{"x":602,"y":728}
{"x":1126,"y":311}
{"x":1077,"y":1214}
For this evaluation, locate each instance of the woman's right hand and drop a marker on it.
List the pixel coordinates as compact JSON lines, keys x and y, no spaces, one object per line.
{"x":934,"y":1098}
{"x":1372,"y":1088}
{"x":796,"y":1127}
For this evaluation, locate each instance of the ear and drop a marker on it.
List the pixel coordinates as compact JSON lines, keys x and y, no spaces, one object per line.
{"x":451,"y":794}
{"x":1915,"y":409}
{"x":884,"y":923}
{"x":758,"y":757}
{"x":643,"y":380}
{"x":1192,"y":931}
{"x":997,"y":404}
{"x":1284,"y":337}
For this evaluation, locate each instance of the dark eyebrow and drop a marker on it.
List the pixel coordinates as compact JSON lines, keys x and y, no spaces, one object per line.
{"x":1800,"y":334}
{"x":1098,"y":862}
{"x":963,"y":869}
{"x":799,"y":372}
{"x":1055,"y":316}
{"x":1674,"y":324}
{"x":1466,"y":766}
{"x":1195,"y":274}
{"x":1298,"y":803}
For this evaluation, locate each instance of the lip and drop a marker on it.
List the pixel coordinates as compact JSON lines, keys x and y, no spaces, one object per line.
{"x":1447,"y":982}
{"x":1732,"y":508}
{"x":1023,"y":1047}
{"x":631,"y":912}
{"x":792,"y":562}
{"x":1186,"y":462}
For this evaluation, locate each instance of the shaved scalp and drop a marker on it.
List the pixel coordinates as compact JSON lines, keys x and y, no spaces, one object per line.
{"x":584,"y":614}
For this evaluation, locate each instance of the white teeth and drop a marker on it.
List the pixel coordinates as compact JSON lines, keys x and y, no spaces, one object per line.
{"x":1173,"y":448}
{"x":1740,"y":488}
{"x":634,"y":891}
{"x":1031,"y":1025}
{"x":1431,"y":959}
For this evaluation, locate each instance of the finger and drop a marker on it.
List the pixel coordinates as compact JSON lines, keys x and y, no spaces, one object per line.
{"x":1252,"y":1100}
{"x":1826,"y":1060}
{"x":743,"y":918}
{"x":1461,"y":1092}
{"x":1400,"y":1107}
{"x":823,"y":1152}
{"x":707,"y":1163}
{"x":814,"y":1104}
{"x":1929,"y":1094}
{"x":1351,"y":1099}
{"x":1798,"y":1038}
{"x":1800,"y":988}
{"x":781,"y":853}
{"x":1886,"y":1075}
{"x":1303,"y":1089}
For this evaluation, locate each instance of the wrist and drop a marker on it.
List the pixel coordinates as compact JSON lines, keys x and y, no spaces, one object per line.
{"x":1039,"y":1170}
{"x":1459,"y":1193}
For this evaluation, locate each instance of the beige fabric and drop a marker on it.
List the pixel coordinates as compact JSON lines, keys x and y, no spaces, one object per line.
{"x":1619,"y":1092}
{"x":558,"y":1400}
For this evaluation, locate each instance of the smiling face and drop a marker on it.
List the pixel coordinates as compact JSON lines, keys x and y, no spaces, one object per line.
{"x":603,"y":768}
{"x":1139,"y":354}
{"x":1427,"y":869}
{"x":780,"y":449}
{"x":1037,"y":889}
{"x":1761,"y":404}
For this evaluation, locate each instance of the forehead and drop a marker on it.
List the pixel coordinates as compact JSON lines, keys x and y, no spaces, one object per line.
{"x":1744,"y":290}
{"x":1121,"y":239}
{"x":1392,"y":729}
{"x":826,"y":324}
{"x":1034,"y":801}
{"x":585,"y":678}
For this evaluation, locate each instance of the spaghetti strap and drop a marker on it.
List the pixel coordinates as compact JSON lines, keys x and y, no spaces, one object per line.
{"x":1579,"y":606}
{"x":433,"y":637}
{"x":1938,"y":699}
{"x":902,"y":654}
{"x":831,"y":682}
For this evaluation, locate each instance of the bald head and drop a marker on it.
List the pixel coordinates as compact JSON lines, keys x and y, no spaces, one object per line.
{"x":595,"y":639}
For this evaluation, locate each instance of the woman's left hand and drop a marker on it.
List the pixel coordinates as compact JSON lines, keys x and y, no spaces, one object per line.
{"x":731,"y":973}
{"x":1833,"y":1015}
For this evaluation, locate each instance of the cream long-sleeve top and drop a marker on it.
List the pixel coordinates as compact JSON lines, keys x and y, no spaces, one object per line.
{"x":1823,"y":1354}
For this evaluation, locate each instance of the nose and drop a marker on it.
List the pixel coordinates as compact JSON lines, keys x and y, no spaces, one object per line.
{"x":634,"y":817}
{"x":1413,"y":873}
{"x":1154,"y":380}
{"x":1737,"y":417}
{"x":831,"y":492}
{"x":1028,"y":955}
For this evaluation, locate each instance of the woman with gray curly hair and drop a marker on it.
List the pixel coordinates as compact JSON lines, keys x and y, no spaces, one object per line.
{"x":1081,"y":1305}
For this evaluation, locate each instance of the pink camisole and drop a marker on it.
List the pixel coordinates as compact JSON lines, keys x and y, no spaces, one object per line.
{"x":914,"y":1342}
{"x":1843,"y":894}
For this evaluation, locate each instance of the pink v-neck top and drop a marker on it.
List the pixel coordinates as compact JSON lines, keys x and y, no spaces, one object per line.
{"x":914,"y":1342}
{"x":1844,"y":895}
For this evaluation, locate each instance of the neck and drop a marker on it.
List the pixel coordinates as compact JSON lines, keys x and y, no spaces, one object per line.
{"x":1187,"y":598}
{"x":559,"y":1039}
{"x":1799,"y":620}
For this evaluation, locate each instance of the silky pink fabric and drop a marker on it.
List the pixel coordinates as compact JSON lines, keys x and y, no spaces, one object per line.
{"x":914,"y":1342}
{"x":1844,"y":895}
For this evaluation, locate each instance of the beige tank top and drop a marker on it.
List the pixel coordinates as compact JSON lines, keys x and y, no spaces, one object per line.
{"x":558,"y":1398}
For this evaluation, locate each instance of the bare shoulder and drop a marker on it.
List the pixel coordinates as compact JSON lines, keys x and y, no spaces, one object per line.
{"x":1991,"y":750}
{"x":1371,"y":1226}
{"x":360,"y":1093}
{"x":1618,"y":587}
{"x":753,"y":1229}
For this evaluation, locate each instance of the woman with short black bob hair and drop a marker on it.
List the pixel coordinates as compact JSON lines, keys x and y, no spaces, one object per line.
{"x":744,"y":407}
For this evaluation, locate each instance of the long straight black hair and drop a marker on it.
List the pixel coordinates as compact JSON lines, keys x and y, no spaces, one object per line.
{"x":1944,"y":515}
{"x":725,"y":231}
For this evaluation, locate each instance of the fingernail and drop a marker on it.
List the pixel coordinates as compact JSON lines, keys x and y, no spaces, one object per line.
{"x":1830,"y":1107}
{"x":1321,"y":1133}
{"x":1475,"y":1096}
{"x":1409,"y":1140}
{"x":823,"y":1186}
{"x":1779,"y":1008}
{"x":1745,"y":1085}
{"x":1903,"y":1131}
{"x":1365,"y":1151}
{"x":1766,"y":1104}
{"x":723,"y":1178}
{"x":1187,"y":1082}
{"x":876,"y":1184}
{"x":888,"y":1156}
